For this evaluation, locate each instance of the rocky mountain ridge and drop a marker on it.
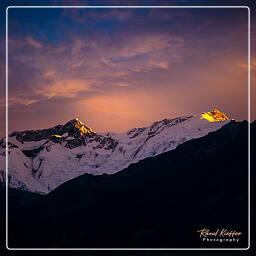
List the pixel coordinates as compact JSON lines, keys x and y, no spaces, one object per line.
{"x":41,"y":160}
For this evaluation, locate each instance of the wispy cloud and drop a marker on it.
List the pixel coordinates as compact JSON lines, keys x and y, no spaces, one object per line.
{"x":119,"y":68}
{"x":84,"y":64}
{"x":32,"y":42}
{"x":64,"y":88}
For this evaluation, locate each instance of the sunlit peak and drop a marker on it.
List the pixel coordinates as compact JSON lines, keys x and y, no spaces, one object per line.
{"x":214,"y":116}
{"x":83,"y":129}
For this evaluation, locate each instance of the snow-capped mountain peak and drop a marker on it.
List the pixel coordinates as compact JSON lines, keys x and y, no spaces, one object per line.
{"x":74,"y":127}
{"x":41,"y":160}
{"x":214,"y":116}
{"x":77,"y":127}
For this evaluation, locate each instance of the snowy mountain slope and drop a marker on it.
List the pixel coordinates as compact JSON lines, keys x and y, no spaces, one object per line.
{"x":41,"y":160}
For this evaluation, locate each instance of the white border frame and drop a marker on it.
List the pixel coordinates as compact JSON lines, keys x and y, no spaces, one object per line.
{"x":134,"y":249}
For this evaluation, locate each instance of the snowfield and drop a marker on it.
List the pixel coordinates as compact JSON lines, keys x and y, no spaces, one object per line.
{"x":41,"y":160}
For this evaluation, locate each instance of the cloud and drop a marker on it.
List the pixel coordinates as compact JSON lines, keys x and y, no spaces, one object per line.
{"x":64,"y":88}
{"x":49,"y":73}
{"x":145,"y":44}
{"x":117,"y":69}
{"x":20,"y":101}
{"x":32,"y":42}
{"x":27,"y":43}
{"x":85,"y":64}
{"x":96,"y":14}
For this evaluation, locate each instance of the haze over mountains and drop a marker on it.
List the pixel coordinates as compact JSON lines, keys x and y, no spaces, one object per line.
{"x":41,"y":160}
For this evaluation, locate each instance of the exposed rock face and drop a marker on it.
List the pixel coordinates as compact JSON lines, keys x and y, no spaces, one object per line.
{"x":41,"y":160}
{"x":74,"y":128}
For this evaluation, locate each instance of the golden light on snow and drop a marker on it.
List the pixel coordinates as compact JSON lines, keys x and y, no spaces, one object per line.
{"x":214,"y":116}
{"x":82,"y":128}
{"x":57,"y":136}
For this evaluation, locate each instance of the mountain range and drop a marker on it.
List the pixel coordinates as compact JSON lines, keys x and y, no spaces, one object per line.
{"x":41,"y":160}
{"x":158,"y":202}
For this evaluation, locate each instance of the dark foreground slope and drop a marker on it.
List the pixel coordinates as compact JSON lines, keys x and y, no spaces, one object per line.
{"x":18,"y":200}
{"x":158,"y":202}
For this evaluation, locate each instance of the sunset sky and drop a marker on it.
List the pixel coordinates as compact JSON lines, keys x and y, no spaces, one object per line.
{"x":116,"y":69}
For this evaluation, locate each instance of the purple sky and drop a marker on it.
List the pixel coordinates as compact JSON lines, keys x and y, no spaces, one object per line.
{"x":116,"y":69}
